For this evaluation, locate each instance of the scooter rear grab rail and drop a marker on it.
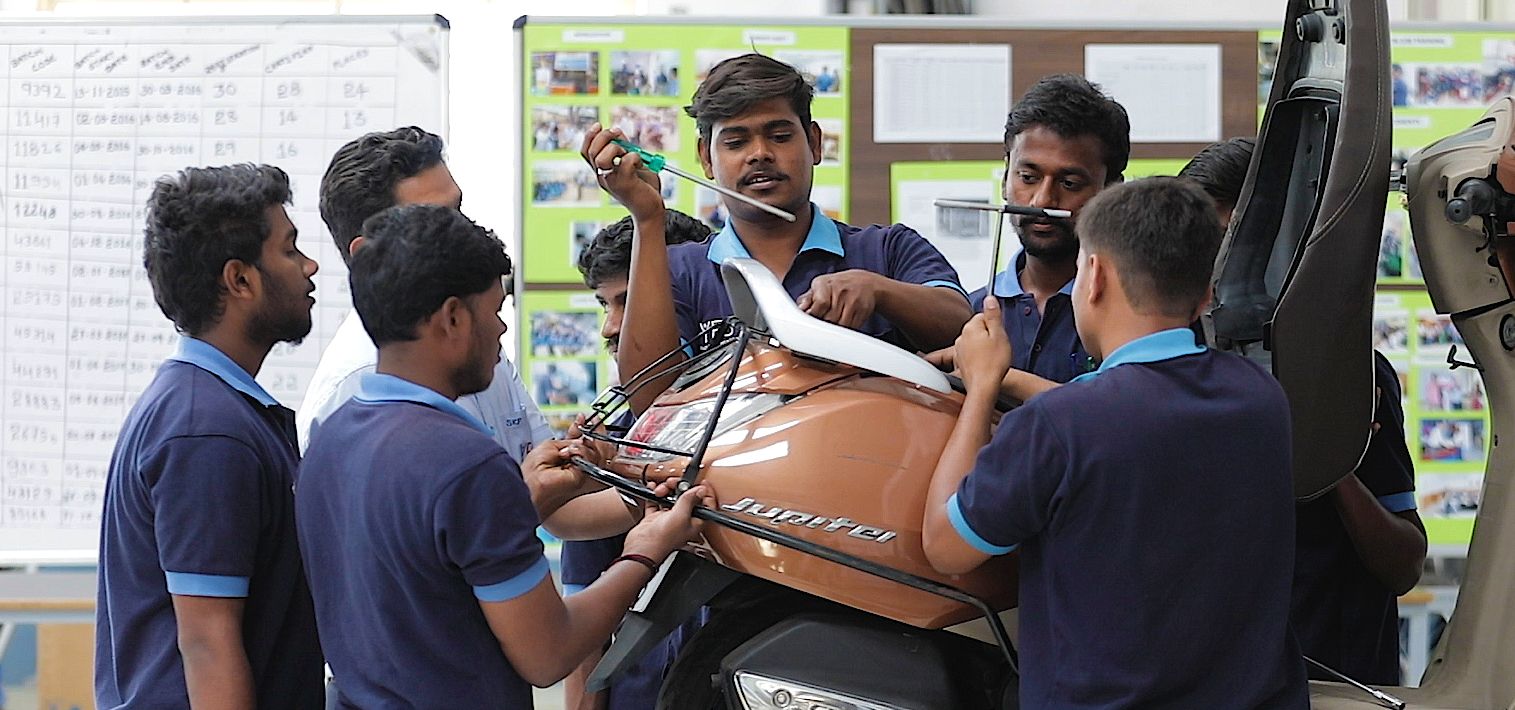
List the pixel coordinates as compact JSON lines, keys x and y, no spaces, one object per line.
{"x":642,"y":493}
{"x":606,"y":408}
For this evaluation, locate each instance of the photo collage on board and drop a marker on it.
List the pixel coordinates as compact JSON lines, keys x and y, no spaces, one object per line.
{"x":638,"y":79}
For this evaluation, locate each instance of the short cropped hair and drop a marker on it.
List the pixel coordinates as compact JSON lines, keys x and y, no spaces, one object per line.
{"x":415,"y":258}
{"x":739,"y":83}
{"x":608,"y":256}
{"x":360,"y":181}
{"x":197,"y":220}
{"x":1072,"y":106}
{"x":1221,"y":168}
{"x":1163,"y":235}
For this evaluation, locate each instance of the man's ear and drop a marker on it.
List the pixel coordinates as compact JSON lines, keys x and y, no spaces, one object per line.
{"x":814,"y":134}
{"x":1097,"y":273}
{"x":241,"y":280}
{"x":453,"y":318}
{"x":703,"y":147}
{"x":352,"y":247}
{"x":1204,"y":303}
{"x":1004,"y":180}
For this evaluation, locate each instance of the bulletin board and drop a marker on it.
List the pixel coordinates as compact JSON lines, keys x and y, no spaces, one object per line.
{"x":1448,"y":76}
{"x":639,"y":77}
{"x":639,"y":73}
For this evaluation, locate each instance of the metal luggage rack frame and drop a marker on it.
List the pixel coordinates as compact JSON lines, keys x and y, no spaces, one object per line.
{"x":613,"y":401}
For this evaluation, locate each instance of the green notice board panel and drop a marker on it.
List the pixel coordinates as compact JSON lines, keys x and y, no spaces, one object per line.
{"x":1446,"y":412}
{"x":561,"y":357}
{"x":639,"y":78}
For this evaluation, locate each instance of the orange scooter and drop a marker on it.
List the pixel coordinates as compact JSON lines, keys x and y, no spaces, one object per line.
{"x":821,"y":441}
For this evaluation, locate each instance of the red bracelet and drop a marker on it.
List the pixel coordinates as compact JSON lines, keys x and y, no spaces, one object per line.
{"x":639,"y":559}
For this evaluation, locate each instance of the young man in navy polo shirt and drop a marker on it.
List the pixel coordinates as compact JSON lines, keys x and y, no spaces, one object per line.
{"x":1065,"y":141}
{"x":433,"y":589}
{"x":605,"y":263}
{"x":1362,"y":545}
{"x":368,"y":174}
{"x":202,"y":601}
{"x":1155,"y":542}
{"x":757,"y":138}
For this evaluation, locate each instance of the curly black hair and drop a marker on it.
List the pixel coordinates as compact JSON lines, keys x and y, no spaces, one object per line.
{"x":1221,"y":168}
{"x":608,"y":255}
{"x":1072,"y":106}
{"x":197,"y":220}
{"x":739,"y":83}
{"x":360,"y":181}
{"x":414,"y":259}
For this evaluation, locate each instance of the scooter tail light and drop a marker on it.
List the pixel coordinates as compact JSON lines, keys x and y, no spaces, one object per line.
{"x":679,"y":428}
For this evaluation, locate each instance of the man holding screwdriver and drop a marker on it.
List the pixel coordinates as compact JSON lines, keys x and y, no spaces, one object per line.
{"x":1065,"y":141}
{"x":757,"y":139}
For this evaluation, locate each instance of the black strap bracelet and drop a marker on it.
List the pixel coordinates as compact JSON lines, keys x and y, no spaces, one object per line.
{"x":639,"y":559}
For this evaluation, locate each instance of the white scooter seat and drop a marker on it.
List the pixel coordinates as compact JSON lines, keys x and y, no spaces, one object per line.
{"x":760,"y":301}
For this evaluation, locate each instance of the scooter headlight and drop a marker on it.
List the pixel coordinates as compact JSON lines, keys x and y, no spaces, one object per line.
{"x":763,"y":693}
{"x":679,"y":428}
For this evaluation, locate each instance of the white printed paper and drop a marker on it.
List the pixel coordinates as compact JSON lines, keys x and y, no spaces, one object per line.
{"x":1171,"y":91}
{"x":928,"y":93}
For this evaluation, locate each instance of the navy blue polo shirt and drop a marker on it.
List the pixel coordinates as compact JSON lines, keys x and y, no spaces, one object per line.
{"x":895,"y":251}
{"x":1155,"y":553}
{"x":1042,"y":342}
{"x":410,"y":514}
{"x":198,"y":503}
{"x":1343,"y":615}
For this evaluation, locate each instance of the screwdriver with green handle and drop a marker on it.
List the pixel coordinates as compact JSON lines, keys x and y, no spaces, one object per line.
{"x":657,"y":163}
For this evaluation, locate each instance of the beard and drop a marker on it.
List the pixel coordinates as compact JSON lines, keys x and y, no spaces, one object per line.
{"x":1060,"y":245}
{"x":284,"y":316}
{"x":478,"y":372}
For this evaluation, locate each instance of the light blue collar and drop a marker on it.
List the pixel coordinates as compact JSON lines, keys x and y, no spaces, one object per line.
{"x":1156,"y":347}
{"x":823,"y":235}
{"x":376,"y":387}
{"x":1007,"y":283}
{"x":210,"y":359}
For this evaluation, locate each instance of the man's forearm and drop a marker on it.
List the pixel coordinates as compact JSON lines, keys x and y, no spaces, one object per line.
{"x":1021,"y":385}
{"x":1391,"y":547}
{"x":649,"y":330}
{"x":930,"y":316}
{"x":969,"y":435}
{"x":217,"y":675}
{"x":591,"y":517}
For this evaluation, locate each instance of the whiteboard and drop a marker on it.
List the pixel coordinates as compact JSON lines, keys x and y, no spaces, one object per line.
{"x":95,"y":111}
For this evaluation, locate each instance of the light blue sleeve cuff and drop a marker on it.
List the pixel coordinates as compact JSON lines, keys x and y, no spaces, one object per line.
{"x":1398,"y":502}
{"x":207,"y":585}
{"x":960,"y":524}
{"x":569,"y":589}
{"x":687,"y":347}
{"x":943,"y":283}
{"x":515,"y":586}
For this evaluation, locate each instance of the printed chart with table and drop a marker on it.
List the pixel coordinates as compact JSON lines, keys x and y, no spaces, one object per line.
{"x":95,"y":114}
